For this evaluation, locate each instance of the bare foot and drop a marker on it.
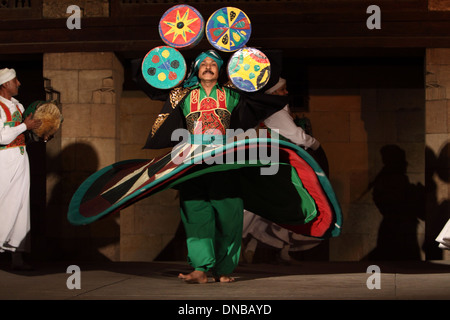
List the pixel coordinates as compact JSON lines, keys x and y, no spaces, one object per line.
{"x":224,"y":279}
{"x":195,"y":276}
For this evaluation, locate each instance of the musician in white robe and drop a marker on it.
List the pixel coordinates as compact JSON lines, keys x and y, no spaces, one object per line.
{"x":14,"y":170}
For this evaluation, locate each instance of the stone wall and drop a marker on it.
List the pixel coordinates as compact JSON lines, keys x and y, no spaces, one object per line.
{"x":439,"y":5}
{"x":437,"y":137}
{"x":360,"y":115}
{"x":148,"y":228}
{"x":90,"y":86}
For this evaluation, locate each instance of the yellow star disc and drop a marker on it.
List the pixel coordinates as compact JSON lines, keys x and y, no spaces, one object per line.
{"x":181,"y":26}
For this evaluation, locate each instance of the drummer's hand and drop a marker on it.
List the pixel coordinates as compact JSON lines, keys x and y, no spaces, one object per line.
{"x":47,"y":138}
{"x":32,"y":123}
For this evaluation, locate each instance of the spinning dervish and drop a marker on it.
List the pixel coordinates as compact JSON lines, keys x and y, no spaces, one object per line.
{"x":211,"y":212}
{"x":214,"y":195}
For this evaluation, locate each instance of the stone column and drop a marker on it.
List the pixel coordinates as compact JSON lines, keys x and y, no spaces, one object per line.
{"x":151,"y":228}
{"x":437,"y":137}
{"x":90,"y":86}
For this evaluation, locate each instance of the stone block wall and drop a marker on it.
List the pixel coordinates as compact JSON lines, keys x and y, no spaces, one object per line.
{"x":437,"y":138}
{"x":148,"y":228}
{"x":90,"y":85}
{"x":364,"y":118}
{"x":337,"y":124}
{"x":438,"y":5}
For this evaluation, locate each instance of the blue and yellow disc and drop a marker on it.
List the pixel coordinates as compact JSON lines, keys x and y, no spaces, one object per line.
{"x":249,"y":69}
{"x":164,"y":67}
{"x":228,"y":29}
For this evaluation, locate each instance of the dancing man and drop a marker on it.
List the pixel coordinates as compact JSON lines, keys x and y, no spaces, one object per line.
{"x":211,"y":206}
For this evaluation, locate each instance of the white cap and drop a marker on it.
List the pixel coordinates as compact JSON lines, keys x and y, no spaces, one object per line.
{"x":7,"y":75}
{"x":277,"y":86}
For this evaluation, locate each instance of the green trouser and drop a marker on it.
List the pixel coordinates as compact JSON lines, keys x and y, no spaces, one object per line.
{"x":212,"y":214}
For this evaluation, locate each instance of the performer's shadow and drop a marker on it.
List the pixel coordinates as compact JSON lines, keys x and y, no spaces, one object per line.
{"x":401,"y":204}
{"x":67,"y":171}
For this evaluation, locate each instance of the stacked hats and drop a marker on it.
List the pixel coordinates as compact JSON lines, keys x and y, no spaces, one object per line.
{"x":228,"y":29}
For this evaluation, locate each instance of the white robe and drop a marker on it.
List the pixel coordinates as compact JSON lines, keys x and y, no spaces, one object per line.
{"x":14,"y":186}
{"x":266,"y":231}
{"x":283,"y":121}
{"x":444,"y":237}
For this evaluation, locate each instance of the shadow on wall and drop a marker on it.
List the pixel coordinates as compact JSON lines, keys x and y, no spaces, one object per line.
{"x":97,"y":241}
{"x":401,"y":204}
{"x":437,"y":213}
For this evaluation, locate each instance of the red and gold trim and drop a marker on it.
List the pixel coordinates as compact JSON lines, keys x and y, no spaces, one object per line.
{"x":20,"y":140}
{"x":207,"y":114}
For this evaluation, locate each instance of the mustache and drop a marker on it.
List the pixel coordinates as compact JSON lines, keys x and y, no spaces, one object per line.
{"x":208,"y":71}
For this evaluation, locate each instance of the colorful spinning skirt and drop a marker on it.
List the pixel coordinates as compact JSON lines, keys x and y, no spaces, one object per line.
{"x":293,"y":191}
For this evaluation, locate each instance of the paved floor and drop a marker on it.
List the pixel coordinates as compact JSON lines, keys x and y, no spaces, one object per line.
{"x":158,"y":281}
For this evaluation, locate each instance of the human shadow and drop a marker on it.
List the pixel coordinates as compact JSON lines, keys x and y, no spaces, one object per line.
{"x":68,"y":170}
{"x":401,"y":204}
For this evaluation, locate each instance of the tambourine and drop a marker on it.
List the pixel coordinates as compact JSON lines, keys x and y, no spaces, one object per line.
{"x":50,"y":115}
{"x":228,"y":29}
{"x":249,"y":69}
{"x":181,"y":26}
{"x":164,"y":67}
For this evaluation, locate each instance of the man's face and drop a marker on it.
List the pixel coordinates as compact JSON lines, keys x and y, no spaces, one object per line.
{"x":12,"y":86}
{"x":208,"y":70}
{"x":282,"y":91}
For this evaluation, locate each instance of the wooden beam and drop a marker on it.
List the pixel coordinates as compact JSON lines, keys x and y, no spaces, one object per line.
{"x":289,"y":27}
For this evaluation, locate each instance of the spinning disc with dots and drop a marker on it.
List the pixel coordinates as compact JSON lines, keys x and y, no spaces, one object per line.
{"x":164,"y":67}
{"x":249,"y":69}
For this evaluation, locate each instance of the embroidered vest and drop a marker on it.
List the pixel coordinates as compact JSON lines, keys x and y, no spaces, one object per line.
{"x":13,"y":120}
{"x":208,"y":116}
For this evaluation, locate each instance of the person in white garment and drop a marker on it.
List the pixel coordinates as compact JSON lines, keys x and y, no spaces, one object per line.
{"x":444,"y":237}
{"x":14,"y":171}
{"x":258,"y":229}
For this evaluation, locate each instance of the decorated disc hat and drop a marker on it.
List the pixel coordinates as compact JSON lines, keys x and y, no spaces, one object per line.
{"x":181,"y":26}
{"x":228,"y":29}
{"x":249,"y":69}
{"x":164,"y":67}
